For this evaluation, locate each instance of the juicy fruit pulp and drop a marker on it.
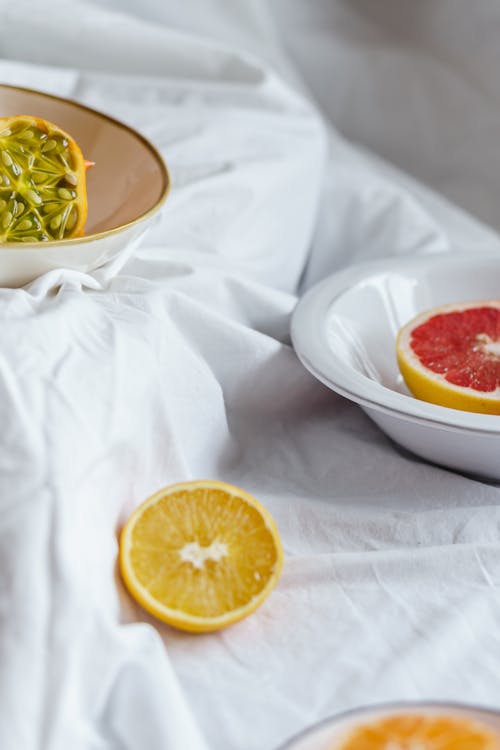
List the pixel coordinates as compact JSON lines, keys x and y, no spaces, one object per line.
{"x":42,"y":182}
{"x":463,"y":346}
{"x":200,"y":555}
{"x":419,"y":732}
{"x":451,"y":356}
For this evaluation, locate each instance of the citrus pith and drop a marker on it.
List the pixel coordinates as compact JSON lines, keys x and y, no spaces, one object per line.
{"x":42,"y":182}
{"x":420,"y":732}
{"x":451,"y":356}
{"x":200,"y":555}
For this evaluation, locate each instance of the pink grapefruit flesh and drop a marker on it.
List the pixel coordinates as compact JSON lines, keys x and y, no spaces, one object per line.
{"x":451,"y":356}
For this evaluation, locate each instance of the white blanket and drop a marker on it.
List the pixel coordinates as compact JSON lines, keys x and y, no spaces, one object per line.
{"x":180,"y":367}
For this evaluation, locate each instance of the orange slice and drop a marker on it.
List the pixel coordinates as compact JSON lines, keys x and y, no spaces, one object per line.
{"x":451,"y":356}
{"x":200,"y":555}
{"x":42,"y":182}
{"x":420,"y":732}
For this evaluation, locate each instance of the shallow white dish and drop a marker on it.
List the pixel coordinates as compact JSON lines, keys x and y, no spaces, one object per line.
{"x":324,"y":735}
{"x":344,"y":331}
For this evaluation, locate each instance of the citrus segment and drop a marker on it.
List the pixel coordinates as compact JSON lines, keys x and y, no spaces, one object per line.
{"x":451,"y":356}
{"x":200,"y":555}
{"x":42,"y":182}
{"x":420,"y":732}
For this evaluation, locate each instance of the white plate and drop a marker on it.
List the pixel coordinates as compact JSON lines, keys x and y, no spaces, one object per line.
{"x":344,"y":331}
{"x":332,"y":730}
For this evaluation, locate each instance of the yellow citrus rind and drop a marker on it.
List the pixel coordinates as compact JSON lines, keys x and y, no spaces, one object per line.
{"x":188,"y":512}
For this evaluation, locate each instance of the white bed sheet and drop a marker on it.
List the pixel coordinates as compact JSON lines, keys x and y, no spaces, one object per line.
{"x":180,"y":367}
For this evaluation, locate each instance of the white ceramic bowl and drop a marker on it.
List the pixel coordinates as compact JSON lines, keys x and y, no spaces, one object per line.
{"x":344,"y":331}
{"x":325,"y":735}
{"x":125,"y":189}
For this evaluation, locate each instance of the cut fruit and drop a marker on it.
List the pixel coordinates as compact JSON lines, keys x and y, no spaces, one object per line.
{"x":200,"y":555}
{"x":43,"y":192}
{"x":451,"y":356}
{"x":420,"y":732}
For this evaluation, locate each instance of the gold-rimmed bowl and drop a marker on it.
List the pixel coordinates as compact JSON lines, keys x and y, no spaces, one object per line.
{"x":126,"y":188}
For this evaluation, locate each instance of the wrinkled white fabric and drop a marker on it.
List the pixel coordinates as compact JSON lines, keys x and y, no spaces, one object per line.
{"x":180,"y":367}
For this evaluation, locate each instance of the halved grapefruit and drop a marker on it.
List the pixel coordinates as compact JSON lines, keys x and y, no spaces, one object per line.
{"x":450,"y":356}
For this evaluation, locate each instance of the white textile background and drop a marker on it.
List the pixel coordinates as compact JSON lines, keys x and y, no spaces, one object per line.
{"x":180,"y":367}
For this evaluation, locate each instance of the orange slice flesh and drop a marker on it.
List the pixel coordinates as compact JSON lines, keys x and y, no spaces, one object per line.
{"x":200,"y":555}
{"x":451,"y":356}
{"x":420,"y":732}
{"x":43,"y":192}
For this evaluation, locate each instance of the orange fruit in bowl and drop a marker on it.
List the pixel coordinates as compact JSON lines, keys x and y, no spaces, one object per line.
{"x":200,"y":555}
{"x":42,"y":182}
{"x":420,"y":732}
{"x":450,"y":356}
